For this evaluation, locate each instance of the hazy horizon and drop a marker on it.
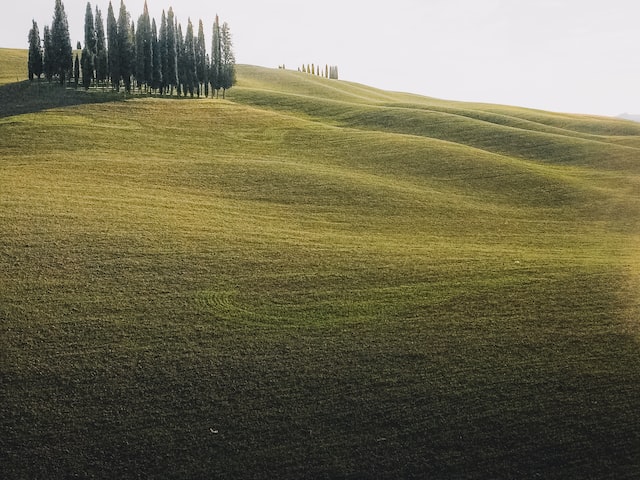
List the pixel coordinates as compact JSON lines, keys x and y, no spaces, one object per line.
{"x":559,"y":55}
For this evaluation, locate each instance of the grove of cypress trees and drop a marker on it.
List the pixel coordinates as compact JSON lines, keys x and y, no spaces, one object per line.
{"x":144,"y":56}
{"x":35,"y":52}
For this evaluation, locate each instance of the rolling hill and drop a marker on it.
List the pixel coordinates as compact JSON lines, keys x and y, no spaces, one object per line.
{"x":315,"y":279}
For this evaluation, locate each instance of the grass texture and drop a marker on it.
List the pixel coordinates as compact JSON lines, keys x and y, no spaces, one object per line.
{"x":315,"y":279}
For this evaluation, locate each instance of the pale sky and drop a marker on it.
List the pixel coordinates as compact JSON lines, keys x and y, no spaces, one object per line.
{"x":579,"y":56}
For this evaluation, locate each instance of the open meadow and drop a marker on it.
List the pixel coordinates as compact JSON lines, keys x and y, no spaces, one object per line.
{"x":314,"y":279}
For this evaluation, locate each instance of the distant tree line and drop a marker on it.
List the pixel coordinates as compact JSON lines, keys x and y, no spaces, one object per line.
{"x":327,"y":71}
{"x":134,"y":55}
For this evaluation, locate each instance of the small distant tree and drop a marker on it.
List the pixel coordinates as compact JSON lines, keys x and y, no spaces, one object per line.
{"x":35,"y":52}
{"x":76,"y":70}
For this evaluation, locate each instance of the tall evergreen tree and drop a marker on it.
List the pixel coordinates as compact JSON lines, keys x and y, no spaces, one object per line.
{"x":87,"y":68}
{"x":35,"y":52}
{"x":102,"y":58}
{"x":216,"y":58}
{"x":156,"y":82}
{"x":62,"y":53}
{"x":125,"y":46}
{"x":228,"y":70}
{"x":201,"y":58}
{"x":90,"y":47}
{"x":47,"y":56}
{"x":207,"y":76}
{"x":144,"y":52}
{"x":190,"y":66}
{"x":180,"y":60}
{"x":162,"y":41}
{"x":132,"y":52}
{"x":171,"y":80}
{"x":114,"y":48}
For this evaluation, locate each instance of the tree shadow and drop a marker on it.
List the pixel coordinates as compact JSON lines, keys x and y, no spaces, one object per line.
{"x":31,"y":97}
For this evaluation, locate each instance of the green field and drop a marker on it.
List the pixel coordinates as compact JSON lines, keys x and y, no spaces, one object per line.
{"x":315,"y":279}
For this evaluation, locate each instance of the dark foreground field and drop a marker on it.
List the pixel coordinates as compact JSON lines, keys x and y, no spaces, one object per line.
{"x":315,"y":279}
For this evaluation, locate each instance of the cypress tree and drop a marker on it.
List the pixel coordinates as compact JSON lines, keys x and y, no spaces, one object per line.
{"x":132,"y":53}
{"x":76,"y":71}
{"x":156,"y":82}
{"x":180,"y":54}
{"x":216,"y":58}
{"x":47,"y":60}
{"x":125,"y":46}
{"x":171,"y":79}
{"x":35,"y":52}
{"x":114,"y":49}
{"x":190,"y":66}
{"x":102,"y":58}
{"x":228,"y":59}
{"x":90,"y":47}
{"x":144,"y":52}
{"x":62,"y":53}
{"x":201,"y":58}
{"x":207,"y":67}
{"x":163,"y":52}
{"x":87,"y":68}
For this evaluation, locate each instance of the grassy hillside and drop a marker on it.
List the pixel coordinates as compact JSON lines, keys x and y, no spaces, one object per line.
{"x":13,"y":65}
{"x":315,"y":279}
